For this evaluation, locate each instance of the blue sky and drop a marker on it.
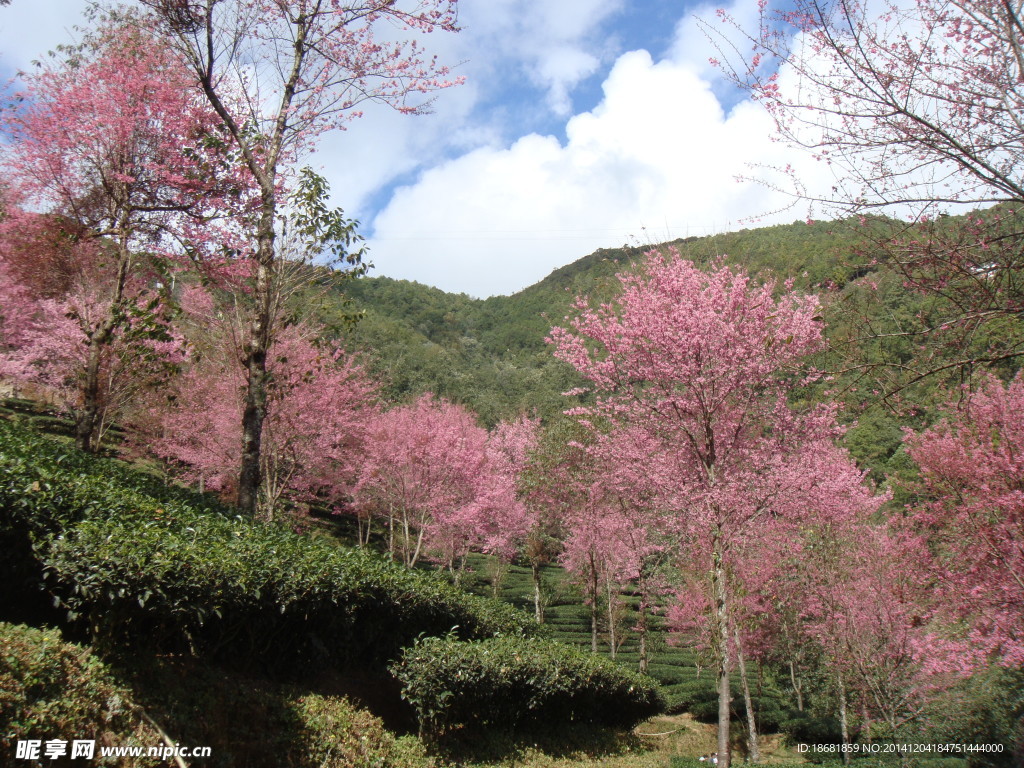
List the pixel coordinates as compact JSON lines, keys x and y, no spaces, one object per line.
{"x":582,"y":124}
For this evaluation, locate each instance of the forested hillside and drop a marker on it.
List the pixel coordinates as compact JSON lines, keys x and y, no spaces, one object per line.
{"x":491,"y":354}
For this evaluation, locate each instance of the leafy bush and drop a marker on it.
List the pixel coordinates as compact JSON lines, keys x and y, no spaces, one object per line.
{"x":167,"y":569}
{"x":986,"y":708}
{"x":233,"y":589}
{"x":696,"y":696}
{"x":334,"y":734}
{"x":47,"y":485}
{"x":509,"y":682}
{"x":50,"y":689}
{"x":812,"y":729}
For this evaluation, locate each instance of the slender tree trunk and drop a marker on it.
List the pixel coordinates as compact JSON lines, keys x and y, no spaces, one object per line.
{"x":612,"y":634}
{"x":843,"y":721}
{"x":593,"y":608}
{"x":538,"y":608}
{"x":419,"y":547}
{"x":798,"y":687}
{"x":88,"y":419}
{"x":643,"y":620}
{"x":499,"y":571}
{"x":364,"y":538}
{"x":643,"y":630}
{"x":254,"y":359}
{"x":755,"y":749}
{"x":88,"y":416}
{"x":722,"y":642}
{"x":391,"y":534}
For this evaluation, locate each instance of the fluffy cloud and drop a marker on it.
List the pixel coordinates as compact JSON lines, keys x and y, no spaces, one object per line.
{"x":658,"y":158}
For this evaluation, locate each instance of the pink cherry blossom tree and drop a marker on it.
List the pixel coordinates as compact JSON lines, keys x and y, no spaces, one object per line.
{"x":421,"y":475}
{"x":915,"y":108}
{"x":972,"y":513}
{"x":615,"y":537}
{"x":503,"y":520}
{"x":443,"y":486}
{"x":113,"y":140}
{"x":321,"y":405}
{"x":913,"y":103}
{"x":701,"y":363}
{"x":278,"y":73}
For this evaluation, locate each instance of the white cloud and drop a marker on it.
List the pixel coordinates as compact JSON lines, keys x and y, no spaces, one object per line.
{"x":29,"y":29}
{"x":552,"y":46}
{"x":658,"y":158}
{"x":555,"y":45}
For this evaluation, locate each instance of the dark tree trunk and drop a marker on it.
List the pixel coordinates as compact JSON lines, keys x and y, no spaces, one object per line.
{"x":87,"y":418}
{"x":538,"y":606}
{"x":254,"y":360}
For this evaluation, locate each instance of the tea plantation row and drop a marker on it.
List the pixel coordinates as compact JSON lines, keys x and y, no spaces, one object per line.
{"x":142,"y":565}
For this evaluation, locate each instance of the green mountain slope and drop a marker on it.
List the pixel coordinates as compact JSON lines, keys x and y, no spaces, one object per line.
{"x":491,"y":354}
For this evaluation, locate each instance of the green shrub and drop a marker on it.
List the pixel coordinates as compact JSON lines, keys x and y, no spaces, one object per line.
{"x":50,"y":689}
{"x":678,"y":761}
{"x":812,"y":729}
{"x":167,"y":569}
{"x":334,"y":734}
{"x":229,"y":589}
{"x":47,"y":485}
{"x":985,"y":708}
{"x":696,"y":696}
{"x":508,"y":683}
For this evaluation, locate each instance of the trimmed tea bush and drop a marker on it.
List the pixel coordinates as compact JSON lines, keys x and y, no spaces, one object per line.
{"x":232,"y":589}
{"x":510,"y":682}
{"x":50,"y":689}
{"x":46,"y":485}
{"x":337,"y":735}
{"x":167,"y":569}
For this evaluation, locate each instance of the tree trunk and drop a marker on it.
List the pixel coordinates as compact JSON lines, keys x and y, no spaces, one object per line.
{"x":419,"y":547}
{"x":752,"y":745}
{"x":843,"y":721}
{"x":87,"y":421}
{"x":722,"y":649}
{"x":612,"y":634}
{"x":593,"y":608}
{"x":642,"y":628}
{"x":798,"y":687}
{"x":498,"y":571}
{"x":722,"y":642}
{"x":538,"y":608}
{"x":364,"y":538}
{"x":254,"y":359}
{"x":88,"y":416}
{"x":391,"y":535}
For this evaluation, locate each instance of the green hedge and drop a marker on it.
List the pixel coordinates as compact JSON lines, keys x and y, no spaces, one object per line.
{"x":47,"y":484}
{"x":167,"y":569}
{"x":509,"y":683}
{"x":334,"y":734}
{"x":50,"y":689}
{"x":225,"y":589}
